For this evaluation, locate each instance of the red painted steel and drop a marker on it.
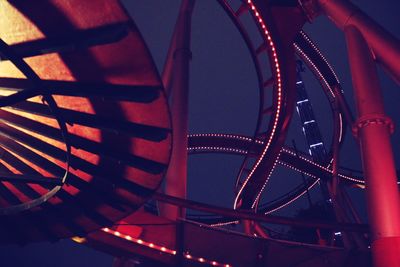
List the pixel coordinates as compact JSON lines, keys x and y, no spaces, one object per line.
{"x":385,"y":47}
{"x":373,"y":131}
{"x":176,"y":177}
{"x":99,"y":186}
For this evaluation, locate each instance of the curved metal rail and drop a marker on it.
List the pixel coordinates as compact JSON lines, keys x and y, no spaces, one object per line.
{"x":104,"y":120}
{"x":271,"y":117}
{"x":237,"y":144}
{"x":256,"y":167}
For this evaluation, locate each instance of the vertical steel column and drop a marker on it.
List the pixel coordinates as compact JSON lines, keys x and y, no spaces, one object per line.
{"x":373,"y":131}
{"x":385,"y":47}
{"x":176,"y":177}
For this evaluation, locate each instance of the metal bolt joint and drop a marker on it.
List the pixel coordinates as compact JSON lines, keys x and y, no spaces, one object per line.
{"x":379,"y":119}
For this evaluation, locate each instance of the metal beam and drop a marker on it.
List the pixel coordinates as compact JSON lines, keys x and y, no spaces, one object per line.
{"x":176,"y":177}
{"x":106,"y":91}
{"x":373,"y":129}
{"x":30,"y":178}
{"x":71,"y":41}
{"x":385,"y":46}
{"x":248,"y":215}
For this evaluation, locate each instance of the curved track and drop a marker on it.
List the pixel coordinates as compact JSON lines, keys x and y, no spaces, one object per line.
{"x":84,"y":128}
{"x":113,"y":163}
{"x":236,"y":144}
{"x":80,"y":140}
{"x":271,"y":122}
{"x":258,"y":165}
{"x":61,"y":146}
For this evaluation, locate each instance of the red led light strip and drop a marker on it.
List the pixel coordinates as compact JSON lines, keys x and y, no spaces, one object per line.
{"x":279,"y":89}
{"x":286,"y":150}
{"x":162,"y":248}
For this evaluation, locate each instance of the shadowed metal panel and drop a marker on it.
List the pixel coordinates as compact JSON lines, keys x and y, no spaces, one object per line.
{"x":109,"y":110}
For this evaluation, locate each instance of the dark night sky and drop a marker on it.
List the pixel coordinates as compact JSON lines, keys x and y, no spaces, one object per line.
{"x":223,"y":98}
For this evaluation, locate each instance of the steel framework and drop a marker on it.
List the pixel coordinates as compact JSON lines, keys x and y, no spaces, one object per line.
{"x":86,"y":136}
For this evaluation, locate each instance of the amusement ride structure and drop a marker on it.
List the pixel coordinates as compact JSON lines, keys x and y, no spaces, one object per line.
{"x":95,"y":142}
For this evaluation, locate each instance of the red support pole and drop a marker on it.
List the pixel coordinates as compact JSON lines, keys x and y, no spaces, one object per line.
{"x":373,"y":129}
{"x":178,"y":66}
{"x":385,"y":47}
